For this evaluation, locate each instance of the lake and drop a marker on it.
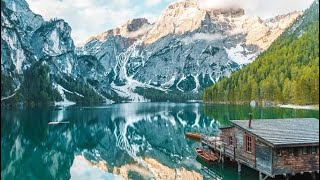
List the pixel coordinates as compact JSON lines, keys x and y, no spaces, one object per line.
{"x":121,"y":141}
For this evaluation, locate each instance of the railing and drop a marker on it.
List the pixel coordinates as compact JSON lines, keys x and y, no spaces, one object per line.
{"x":212,"y":142}
{"x":229,"y":151}
{"x":217,"y":144}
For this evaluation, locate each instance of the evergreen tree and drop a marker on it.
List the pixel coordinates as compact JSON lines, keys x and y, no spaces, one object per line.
{"x":288,"y":72}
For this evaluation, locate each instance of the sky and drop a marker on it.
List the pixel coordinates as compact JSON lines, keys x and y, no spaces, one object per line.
{"x":91,"y":17}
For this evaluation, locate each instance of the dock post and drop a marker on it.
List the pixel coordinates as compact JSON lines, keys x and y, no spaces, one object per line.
{"x":224,"y":152}
{"x":222,"y":156}
{"x":239,"y":168}
{"x":234,"y":153}
{"x":239,"y":177}
{"x":222,"y":159}
{"x":260,"y":176}
{"x":286,"y":176}
{"x":215,"y":144}
{"x":313,"y":175}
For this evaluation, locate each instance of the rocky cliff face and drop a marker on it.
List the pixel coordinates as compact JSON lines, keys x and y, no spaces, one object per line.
{"x":53,"y":40}
{"x":187,"y":49}
{"x":27,"y":21}
{"x":26,"y":39}
{"x":17,"y":23}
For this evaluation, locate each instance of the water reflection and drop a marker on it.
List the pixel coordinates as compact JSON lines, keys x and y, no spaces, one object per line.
{"x":120,"y":135}
{"x":224,"y":113}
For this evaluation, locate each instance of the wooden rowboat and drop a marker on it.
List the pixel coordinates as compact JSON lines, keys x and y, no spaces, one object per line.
{"x":206,"y":155}
{"x":193,"y":135}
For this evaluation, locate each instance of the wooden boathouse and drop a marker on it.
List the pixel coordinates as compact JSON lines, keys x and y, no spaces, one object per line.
{"x":271,"y":146}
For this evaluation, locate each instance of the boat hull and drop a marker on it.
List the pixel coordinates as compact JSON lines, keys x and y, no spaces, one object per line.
{"x":193,"y":136}
{"x":206,"y":156}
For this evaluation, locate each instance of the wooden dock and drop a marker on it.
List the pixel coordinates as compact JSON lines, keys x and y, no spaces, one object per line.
{"x":213,"y":175}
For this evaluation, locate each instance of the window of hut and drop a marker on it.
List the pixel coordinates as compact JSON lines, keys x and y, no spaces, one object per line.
{"x":291,"y":151}
{"x":304,"y":150}
{"x":296,"y":151}
{"x":279,"y":152}
{"x":231,"y":140}
{"x":249,"y":144}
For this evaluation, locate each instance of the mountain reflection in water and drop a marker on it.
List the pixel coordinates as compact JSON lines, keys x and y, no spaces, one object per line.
{"x":119,"y":141}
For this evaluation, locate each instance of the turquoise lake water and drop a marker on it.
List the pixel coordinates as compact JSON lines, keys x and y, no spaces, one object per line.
{"x":118,"y":135}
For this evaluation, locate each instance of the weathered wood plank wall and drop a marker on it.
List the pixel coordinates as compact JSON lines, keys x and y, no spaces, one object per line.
{"x":241,"y":155}
{"x":263,"y":157}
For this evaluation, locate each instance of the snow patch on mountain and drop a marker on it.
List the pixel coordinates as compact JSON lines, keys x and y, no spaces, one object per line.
{"x":16,"y":54}
{"x":55,"y":38}
{"x":13,"y":94}
{"x":127,"y":91}
{"x":177,"y":85}
{"x":14,"y":7}
{"x":169,"y":83}
{"x":237,"y":54}
{"x":196,"y":79}
{"x":61,"y":91}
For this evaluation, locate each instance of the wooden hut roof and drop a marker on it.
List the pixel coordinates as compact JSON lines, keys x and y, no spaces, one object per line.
{"x":283,"y":132}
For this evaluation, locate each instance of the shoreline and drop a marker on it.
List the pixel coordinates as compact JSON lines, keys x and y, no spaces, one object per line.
{"x":293,"y":106}
{"x":290,"y":106}
{"x":63,"y":104}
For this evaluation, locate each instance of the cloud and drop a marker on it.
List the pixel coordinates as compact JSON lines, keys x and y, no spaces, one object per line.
{"x":224,"y":3}
{"x":270,"y":8}
{"x":143,"y":30}
{"x":151,"y":17}
{"x":203,"y":36}
{"x":87,"y":18}
{"x":152,"y":2}
{"x":261,"y":8}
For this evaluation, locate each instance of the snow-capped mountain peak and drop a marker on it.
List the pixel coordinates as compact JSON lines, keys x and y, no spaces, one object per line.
{"x":186,"y":16}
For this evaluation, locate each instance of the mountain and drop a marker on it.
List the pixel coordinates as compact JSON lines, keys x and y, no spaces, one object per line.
{"x":36,"y":58}
{"x":187,"y":49}
{"x":287,"y":72}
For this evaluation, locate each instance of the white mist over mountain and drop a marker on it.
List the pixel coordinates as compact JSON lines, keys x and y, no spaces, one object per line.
{"x":203,"y":36}
{"x":225,"y":3}
{"x":261,"y":8}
